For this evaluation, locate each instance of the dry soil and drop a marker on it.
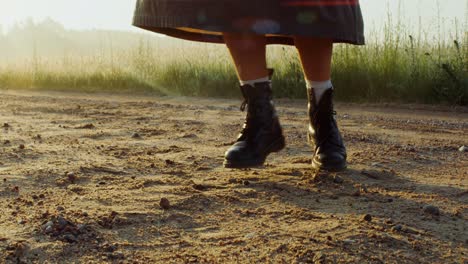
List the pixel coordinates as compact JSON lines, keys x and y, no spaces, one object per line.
{"x":99,"y":179}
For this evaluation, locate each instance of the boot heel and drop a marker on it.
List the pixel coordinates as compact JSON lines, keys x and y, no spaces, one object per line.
{"x":278,"y":145}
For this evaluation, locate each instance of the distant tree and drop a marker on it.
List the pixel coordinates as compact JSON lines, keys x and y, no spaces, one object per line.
{"x":50,"y":25}
{"x":48,"y":39}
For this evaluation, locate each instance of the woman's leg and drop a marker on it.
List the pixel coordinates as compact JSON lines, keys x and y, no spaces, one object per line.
{"x":316,"y":56}
{"x":262,"y":133}
{"x":248,"y":52}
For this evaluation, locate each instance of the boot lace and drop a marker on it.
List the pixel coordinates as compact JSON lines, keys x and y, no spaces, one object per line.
{"x":254,"y":120}
{"x":323,"y":137}
{"x":249,"y":119}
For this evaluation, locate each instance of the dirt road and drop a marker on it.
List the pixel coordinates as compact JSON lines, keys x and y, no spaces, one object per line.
{"x":82,"y":179}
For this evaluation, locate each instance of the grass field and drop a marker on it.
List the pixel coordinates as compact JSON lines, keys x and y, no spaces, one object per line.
{"x":394,"y":66}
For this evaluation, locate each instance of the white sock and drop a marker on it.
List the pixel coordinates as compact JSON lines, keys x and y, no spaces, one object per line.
{"x":319,"y":88}
{"x":253,"y":82}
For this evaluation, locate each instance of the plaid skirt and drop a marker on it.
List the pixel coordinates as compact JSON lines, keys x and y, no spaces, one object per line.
{"x":278,"y":20}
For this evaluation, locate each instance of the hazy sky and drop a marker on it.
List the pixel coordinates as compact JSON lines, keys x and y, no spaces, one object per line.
{"x":117,"y":14}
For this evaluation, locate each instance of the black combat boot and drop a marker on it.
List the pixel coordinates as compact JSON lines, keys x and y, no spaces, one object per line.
{"x":262,"y":133}
{"x":330,"y":152}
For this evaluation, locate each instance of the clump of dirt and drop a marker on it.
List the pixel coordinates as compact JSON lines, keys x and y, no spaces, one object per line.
{"x":65,"y":230}
{"x":108,"y":221}
{"x":165,"y":204}
{"x":87,"y":126}
{"x":16,"y":252}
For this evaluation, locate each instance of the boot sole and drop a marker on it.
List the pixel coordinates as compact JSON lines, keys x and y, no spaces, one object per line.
{"x":276,"y":146}
{"x":330,"y":168}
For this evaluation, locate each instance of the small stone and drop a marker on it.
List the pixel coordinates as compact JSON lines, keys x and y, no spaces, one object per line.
{"x":367,"y":218}
{"x":62,"y":222}
{"x":48,"y":229}
{"x":21,"y":222}
{"x":189,"y":136}
{"x":81,"y":228}
{"x":430,"y":209}
{"x":463,"y":149}
{"x":71,"y":177}
{"x":87,"y":126}
{"x":200,"y":187}
{"x":116,"y":255}
{"x":70,"y":238}
{"x":60,"y":208}
{"x":164,"y":203}
{"x":45,"y":215}
{"x":337,"y":179}
{"x":250,"y":235}
{"x":246,"y":183}
{"x":397,"y":228}
{"x":48,"y":224}
{"x":136,"y":135}
{"x":22,"y":146}
{"x":6,"y":125}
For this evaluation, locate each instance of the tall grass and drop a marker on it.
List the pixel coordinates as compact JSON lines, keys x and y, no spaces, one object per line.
{"x":395,"y":66}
